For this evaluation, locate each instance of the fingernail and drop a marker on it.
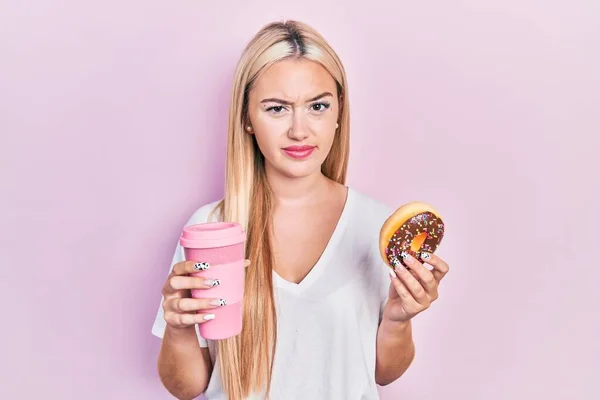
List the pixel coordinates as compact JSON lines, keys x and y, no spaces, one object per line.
{"x":209,"y":316}
{"x":407,"y":257}
{"x":425,"y":256}
{"x":201,"y":266}
{"x":393,"y":274}
{"x":218,"y":302}
{"x":212,"y":282}
{"x":398,"y":265}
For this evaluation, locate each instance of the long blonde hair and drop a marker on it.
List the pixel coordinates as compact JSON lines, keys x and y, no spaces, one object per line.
{"x":246,"y":361}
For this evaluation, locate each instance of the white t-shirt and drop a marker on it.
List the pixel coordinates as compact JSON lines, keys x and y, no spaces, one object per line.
{"x":327,"y":324}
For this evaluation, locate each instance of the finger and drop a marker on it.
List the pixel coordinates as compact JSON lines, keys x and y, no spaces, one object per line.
{"x":189,"y":267}
{"x":412,"y":284}
{"x":423,"y":275}
{"x":192,"y":282}
{"x":185,"y":304}
{"x":440,"y":267}
{"x":187,"y":319}
{"x":403,"y":292}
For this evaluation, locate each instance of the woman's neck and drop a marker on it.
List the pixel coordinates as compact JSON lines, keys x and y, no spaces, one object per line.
{"x":304,"y":190}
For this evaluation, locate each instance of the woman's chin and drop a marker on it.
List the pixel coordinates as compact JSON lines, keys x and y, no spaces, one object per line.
{"x":295,"y":169}
{"x":299,"y":171}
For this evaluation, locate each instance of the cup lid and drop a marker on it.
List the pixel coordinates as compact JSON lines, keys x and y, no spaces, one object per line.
{"x":212,"y":234}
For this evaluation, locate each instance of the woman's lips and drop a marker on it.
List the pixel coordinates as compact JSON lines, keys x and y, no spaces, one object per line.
{"x":299,"y":152}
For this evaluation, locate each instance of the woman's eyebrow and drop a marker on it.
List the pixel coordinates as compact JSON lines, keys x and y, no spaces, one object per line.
{"x":275,"y":100}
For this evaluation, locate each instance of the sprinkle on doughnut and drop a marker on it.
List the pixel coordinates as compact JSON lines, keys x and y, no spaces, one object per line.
{"x":402,"y":239}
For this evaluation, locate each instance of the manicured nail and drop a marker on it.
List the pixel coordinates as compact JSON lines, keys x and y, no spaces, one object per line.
{"x":209,"y":316}
{"x":425,"y":256}
{"x":393,"y":274}
{"x":218,"y":302}
{"x":212,"y":282}
{"x":201,"y":266}
{"x":408,"y":258}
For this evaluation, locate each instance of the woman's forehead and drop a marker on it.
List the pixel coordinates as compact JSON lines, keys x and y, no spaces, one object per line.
{"x":294,"y":80}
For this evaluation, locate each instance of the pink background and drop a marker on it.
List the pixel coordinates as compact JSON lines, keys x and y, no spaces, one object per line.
{"x":112,"y":119}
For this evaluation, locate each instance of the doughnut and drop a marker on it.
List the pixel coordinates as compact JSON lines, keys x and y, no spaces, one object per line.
{"x":413,"y":228}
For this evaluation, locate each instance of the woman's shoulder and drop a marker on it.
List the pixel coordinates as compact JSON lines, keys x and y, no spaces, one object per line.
{"x":370,"y":207}
{"x":207,"y":212}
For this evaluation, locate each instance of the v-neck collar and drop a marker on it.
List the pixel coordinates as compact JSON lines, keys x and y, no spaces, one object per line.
{"x":326,"y":255}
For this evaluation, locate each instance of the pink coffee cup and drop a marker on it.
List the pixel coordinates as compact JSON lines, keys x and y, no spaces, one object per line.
{"x":221,"y":247}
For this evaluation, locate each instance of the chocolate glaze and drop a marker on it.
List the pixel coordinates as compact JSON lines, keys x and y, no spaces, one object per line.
{"x":399,"y":243}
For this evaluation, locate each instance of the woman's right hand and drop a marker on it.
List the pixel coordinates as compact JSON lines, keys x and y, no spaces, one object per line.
{"x":180,"y":309}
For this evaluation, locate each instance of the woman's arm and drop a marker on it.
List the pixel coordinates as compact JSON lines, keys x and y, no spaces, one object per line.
{"x":183,"y":366}
{"x":410,"y":293}
{"x":395,"y":350}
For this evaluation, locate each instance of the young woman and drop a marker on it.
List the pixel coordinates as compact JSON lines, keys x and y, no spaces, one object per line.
{"x":323,"y":319}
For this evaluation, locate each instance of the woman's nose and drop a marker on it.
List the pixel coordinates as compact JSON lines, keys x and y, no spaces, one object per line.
{"x":298,"y":130}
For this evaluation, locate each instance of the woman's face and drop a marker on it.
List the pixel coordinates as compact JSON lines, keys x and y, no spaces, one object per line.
{"x":293,"y":110}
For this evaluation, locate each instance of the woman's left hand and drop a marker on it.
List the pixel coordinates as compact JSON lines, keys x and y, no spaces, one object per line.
{"x":412,"y":291}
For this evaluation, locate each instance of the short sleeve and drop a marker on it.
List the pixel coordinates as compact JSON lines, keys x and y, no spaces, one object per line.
{"x":380,"y":212}
{"x":159,"y":325}
{"x":384,"y":288}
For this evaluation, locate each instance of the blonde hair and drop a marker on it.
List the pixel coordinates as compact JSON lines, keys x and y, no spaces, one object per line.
{"x":246,"y":361}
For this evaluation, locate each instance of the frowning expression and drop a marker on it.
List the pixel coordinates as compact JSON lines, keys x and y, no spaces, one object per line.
{"x":293,"y":109}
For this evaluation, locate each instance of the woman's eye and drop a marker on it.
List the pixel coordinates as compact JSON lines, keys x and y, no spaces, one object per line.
{"x":320,"y":107}
{"x":276,"y":109}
